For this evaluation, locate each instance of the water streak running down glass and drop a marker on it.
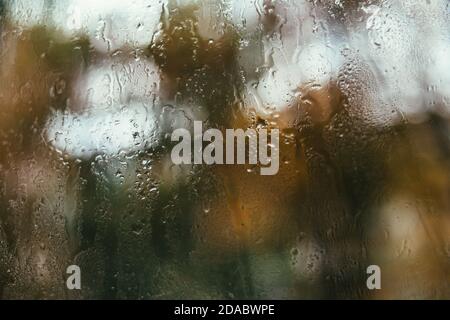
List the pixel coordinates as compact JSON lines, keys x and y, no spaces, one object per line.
{"x":91,"y":92}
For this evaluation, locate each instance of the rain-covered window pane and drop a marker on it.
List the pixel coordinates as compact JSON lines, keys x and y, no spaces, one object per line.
{"x":225,"y":149}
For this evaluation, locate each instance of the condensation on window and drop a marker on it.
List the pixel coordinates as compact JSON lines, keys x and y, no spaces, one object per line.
{"x":91,"y":91}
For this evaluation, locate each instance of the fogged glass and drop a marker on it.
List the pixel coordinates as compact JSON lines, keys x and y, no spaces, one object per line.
{"x":90,"y":92}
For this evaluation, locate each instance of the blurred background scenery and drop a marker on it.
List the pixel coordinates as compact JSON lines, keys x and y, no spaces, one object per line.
{"x":90,"y":92}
